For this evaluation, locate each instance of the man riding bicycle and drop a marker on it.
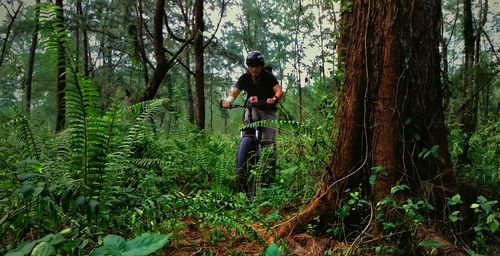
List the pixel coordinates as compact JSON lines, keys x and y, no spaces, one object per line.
{"x":263,"y":85}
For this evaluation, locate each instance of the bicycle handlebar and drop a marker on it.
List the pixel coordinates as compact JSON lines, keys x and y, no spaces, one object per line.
{"x":248,"y":105}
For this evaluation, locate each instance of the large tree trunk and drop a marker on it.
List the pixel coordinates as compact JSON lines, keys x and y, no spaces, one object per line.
{"x":31,"y":61}
{"x":61,"y":70}
{"x":468,"y":114}
{"x":199,"y":63}
{"x":391,"y":106}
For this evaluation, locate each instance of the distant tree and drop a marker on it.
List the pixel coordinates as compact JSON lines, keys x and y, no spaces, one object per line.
{"x":199,"y":27}
{"x":61,"y":68}
{"x":31,"y":60}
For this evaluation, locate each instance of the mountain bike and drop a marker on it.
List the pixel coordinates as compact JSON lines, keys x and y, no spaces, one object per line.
{"x":248,"y":151}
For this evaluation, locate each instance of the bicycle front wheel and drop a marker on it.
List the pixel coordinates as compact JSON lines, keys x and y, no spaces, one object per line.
{"x":245,"y":160}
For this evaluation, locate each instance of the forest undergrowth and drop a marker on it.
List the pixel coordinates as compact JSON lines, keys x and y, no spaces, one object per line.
{"x":125,"y":173}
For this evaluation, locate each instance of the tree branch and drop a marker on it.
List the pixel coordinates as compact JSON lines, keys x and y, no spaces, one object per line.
{"x":180,"y":62}
{"x":170,"y":32}
{"x":492,"y":47}
{"x":174,"y":57}
{"x":223,"y":8}
{"x":9,"y":28}
{"x":479,"y":89}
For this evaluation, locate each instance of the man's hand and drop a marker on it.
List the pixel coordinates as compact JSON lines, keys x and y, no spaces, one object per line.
{"x":226,"y":104}
{"x":272,"y":101}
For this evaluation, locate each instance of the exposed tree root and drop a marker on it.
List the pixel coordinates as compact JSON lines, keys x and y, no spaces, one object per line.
{"x":316,"y":208}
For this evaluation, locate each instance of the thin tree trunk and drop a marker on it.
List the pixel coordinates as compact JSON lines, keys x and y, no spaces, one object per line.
{"x":189,"y":90}
{"x":482,"y":15}
{"x":86,"y":52}
{"x":211,"y":106}
{"x":140,"y":40}
{"x":199,"y":62}
{"x":444,"y":58}
{"x":9,"y":29}
{"x":61,"y":71}
{"x":322,"y":44}
{"x":468,"y":117}
{"x":31,"y":61}
{"x":297,"y":62}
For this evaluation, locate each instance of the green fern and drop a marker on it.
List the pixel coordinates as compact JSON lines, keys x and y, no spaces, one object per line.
{"x":29,"y":143}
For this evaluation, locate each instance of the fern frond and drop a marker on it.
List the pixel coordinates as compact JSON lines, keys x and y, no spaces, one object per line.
{"x":29,"y":143}
{"x":137,"y":132}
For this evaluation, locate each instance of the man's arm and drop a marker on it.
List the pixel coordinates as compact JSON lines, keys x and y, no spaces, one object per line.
{"x":278,"y":94}
{"x":233,"y":94}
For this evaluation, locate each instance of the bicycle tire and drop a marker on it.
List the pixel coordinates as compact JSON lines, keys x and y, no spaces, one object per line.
{"x":246,"y":159}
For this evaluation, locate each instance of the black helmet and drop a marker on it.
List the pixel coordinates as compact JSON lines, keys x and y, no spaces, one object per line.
{"x":255,"y":58}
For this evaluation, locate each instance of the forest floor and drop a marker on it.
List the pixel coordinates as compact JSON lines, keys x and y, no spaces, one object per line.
{"x":194,"y":241}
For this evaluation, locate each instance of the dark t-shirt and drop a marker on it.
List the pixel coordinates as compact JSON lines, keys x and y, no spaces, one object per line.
{"x":263,"y":88}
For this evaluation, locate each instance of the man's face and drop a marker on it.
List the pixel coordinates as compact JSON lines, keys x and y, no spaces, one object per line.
{"x":254,"y":70}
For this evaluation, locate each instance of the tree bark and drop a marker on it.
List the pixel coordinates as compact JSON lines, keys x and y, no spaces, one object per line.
{"x":31,"y":61}
{"x":199,"y":64}
{"x":61,"y":70}
{"x":468,"y":114}
{"x":391,"y":106}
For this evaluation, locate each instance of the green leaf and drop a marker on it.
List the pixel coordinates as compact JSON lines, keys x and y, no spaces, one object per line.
{"x":493,"y":223}
{"x":53,"y":239}
{"x":43,"y":249}
{"x":37,"y":167}
{"x":94,"y":206}
{"x":399,"y":188}
{"x":454,"y":216}
{"x":145,"y":244}
{"x":430,"y":244}
{"x":379,"y":170}
{"x":388,"y":225}
{"x":104,"y":251}
{"x":455,"y":200}
{"x":25,"y":176}
{"x":373,"y":180}
{"x":27,"y":191}
{"x":23,"y":249}
{"x":115,"y":243}
{"x":474,"y":206}
{"x":273,"y":250}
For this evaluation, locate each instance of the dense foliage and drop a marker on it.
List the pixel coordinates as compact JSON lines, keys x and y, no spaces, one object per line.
{"x":132,"y":178}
